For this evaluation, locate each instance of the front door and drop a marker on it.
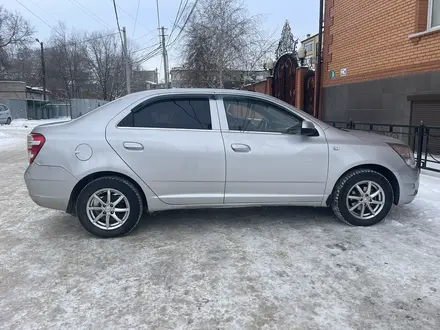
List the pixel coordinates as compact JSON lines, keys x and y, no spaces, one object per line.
{"x":175,"y":146}
{"x":268,"y":161}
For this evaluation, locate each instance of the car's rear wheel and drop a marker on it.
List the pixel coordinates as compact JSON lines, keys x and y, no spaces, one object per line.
{"x":8,"y":121}
{"x":362,"y":197}
{"x":109,"y":207}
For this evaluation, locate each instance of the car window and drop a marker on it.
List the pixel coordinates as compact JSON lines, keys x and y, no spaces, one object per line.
{"x":247,"y":114}
{"x":188,"y":113}
{"x":2,"y":107}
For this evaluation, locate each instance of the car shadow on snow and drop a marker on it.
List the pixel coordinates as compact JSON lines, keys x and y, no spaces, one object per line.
{"x":297,"y":217}
{"x":67,"y":226}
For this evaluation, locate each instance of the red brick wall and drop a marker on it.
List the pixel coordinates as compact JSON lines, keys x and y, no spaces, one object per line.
{"x":370,"y":39}
{"x":264,"y":87}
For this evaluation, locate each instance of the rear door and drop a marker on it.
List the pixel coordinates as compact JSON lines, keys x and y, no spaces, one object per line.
{"x":174,"y":144}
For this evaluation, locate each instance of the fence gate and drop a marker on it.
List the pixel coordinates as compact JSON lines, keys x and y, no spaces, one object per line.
{"x":283,"y":85}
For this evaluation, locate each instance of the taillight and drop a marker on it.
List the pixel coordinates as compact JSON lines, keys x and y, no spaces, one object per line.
{"x":34,"y":143}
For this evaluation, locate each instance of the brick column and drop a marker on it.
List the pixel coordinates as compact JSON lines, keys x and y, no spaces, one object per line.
{"x":268,"y":87}
{"x":299,"y":87}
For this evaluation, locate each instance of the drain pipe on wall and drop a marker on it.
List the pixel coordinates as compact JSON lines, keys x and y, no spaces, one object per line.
{"x":318,"y":87}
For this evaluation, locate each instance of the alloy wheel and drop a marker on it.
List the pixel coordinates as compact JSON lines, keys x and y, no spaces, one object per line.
{"x":365,"y":200}
{"x":108,"y":209}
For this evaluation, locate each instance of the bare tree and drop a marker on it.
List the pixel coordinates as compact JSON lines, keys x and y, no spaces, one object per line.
{"x":221,"y":37}
{"x":106,"y":63}
{"x":14,"y":31}
{"x":67,"y":65}
{"x":24,"y":64}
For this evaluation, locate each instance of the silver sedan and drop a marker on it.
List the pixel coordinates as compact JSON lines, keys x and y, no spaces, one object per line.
{"x":204,"y":148}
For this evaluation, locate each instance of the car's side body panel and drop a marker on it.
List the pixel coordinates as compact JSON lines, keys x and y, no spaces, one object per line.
{"x":189,"y":169}
{"x":347,"y":151}
{"x":181,"y":166}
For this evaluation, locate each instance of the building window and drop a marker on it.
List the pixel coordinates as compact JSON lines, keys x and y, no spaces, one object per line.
{"x":434,"y":14}
{"x":308,"y":47}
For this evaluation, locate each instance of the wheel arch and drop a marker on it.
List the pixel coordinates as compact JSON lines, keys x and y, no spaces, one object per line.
{"x":387,"y":173}
{"x":71,"y":206}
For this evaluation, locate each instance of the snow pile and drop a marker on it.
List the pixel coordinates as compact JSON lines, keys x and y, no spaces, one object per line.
{"x":7,"y":140}
{"x":4,"y":136}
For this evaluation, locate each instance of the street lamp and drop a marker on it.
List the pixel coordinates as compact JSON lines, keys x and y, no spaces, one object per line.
{"x":269,"y":66}
{"x":301,"y":54}
{"x":43,"y":68}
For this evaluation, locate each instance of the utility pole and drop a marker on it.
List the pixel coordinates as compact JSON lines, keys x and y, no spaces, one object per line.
{"x":165,"y":59}
{"x":127,"y":64}
{"x":43,"y":68}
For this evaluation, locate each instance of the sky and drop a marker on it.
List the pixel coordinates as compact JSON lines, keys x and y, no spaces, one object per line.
{"x":91,"y":15}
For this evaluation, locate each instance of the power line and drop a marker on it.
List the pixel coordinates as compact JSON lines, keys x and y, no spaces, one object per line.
{"x":135,"y":21}
{"x":176,"y":20}
{"x":184,"y":25}
{"x":145,"y":35}
{"x":60,"y":34}
{"x":148,"y":56}
{"x":51,"y":16}
{"x":89,"y":13}
{"x":148,"y":41}
{"x":42,"y":20}
{"x":75,"y":42}
{"x":91,"y":39}
{"x":145,"y":48}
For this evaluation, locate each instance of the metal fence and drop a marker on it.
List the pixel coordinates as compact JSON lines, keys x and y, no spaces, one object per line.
{"x":37,"y":109}
{"x":423,"y":139}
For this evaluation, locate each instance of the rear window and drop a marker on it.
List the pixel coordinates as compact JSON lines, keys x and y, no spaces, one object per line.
{"x":188,"y":113}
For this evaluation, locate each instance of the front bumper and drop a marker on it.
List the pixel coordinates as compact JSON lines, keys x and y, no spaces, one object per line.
{"x":409,"y":186}
{"x":49,"y":186}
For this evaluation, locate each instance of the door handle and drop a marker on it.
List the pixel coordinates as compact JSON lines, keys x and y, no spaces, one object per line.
{"x":133,"y":146}
{"x":239,"y":147}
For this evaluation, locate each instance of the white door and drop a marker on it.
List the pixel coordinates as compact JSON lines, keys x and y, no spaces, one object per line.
{"x":268,"y":161}
{"x":175,"y":146}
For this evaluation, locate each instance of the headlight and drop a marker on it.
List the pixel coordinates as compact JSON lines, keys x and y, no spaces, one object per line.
{"x":406,"y":153}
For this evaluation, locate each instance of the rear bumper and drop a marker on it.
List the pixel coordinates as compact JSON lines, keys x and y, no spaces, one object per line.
{"x":49,"y":186}
{"x":409,"y":187}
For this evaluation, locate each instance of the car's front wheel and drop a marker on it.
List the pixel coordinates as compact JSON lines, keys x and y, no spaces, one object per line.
{"x":363,"y":197}
{"x":109,"y":207}
{"x":8,"y":121}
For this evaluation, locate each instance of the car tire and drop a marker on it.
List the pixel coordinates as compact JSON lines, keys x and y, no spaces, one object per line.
{"x":355,"y":205}
{"x":8,"y":121}
{"x":98,"y":216}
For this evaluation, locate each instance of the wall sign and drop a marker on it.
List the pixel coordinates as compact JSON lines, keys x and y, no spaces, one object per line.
{"x":332,"y":74}
{"x":344,"y":72}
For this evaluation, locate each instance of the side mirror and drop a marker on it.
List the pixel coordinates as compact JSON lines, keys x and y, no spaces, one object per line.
{"x":308,"y":129}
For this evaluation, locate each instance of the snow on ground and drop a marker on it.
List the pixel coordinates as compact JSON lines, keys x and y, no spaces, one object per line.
{"x":270,"y":268}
